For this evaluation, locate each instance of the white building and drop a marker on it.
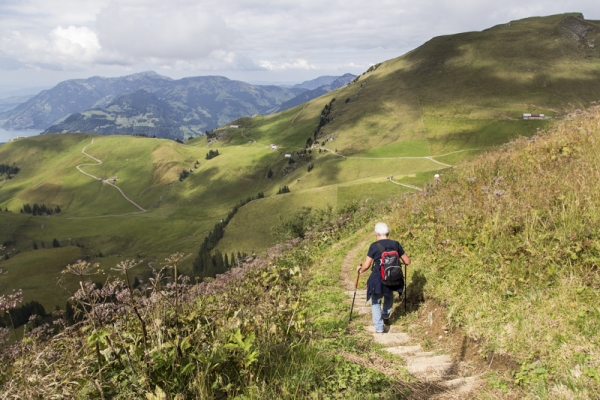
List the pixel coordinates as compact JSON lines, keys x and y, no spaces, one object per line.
{"x":234,"y":126}
{"x":534,"y":116}
{"x":288,"y":156}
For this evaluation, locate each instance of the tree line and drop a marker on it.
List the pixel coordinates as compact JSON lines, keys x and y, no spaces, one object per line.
{"x":9,"y":170}
{"x":324,"y":119}
{"x":208,"y":265}
{"x":20,"y":315}
{"x":212,"y":154}
{"x":284,"y":189}
{"x":39,"y":209}
{"x":186,"y":172}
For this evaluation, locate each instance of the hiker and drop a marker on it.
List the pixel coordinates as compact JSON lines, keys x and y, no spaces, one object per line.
{"x":376,"y":289}
{"x":437,"y":180}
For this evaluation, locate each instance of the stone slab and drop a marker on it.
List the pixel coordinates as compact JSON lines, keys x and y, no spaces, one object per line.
{"x":404,"y":350}
{"x":435,"y":366}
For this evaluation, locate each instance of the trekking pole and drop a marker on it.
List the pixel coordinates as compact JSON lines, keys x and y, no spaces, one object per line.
{"x":405,"y":279}
{"x":353,"y":298}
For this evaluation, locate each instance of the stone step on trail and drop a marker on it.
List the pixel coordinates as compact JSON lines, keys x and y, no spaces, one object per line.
{"x":461,"y":385}
{"x":427,"y":366}
{"x":404,"y":350}
{"x":389,"y":338}
{"x":361,"y":306}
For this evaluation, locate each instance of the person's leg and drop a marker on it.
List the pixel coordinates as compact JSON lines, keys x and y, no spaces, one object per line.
{"x":376,"y":312}
{"x":388,"y":302}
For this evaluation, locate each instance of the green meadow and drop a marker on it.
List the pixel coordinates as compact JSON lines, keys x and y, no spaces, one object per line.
{"x":409,"y":117}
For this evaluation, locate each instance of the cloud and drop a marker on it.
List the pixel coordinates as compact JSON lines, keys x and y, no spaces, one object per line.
{"x":75,"y":42}
{"x":283,"y":66}
{"x":266,"y":36}
{"x":162,"y":32}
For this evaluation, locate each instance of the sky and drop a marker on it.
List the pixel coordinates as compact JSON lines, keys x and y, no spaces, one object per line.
{"x":43,"y":42}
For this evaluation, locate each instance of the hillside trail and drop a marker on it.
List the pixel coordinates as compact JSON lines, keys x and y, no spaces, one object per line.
{"x":430,"y":158}
{"x":405,"y":185}
{"x":437,"y":375}
{"x":99,"y":162}
{"x":299,"y":112}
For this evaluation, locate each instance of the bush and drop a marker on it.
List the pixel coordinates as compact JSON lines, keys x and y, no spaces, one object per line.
{"x":284,"y":189}
{"x":212,"y":154}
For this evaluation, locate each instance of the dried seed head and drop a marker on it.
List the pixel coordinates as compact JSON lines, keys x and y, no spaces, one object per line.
{"x":126,"y":265}
{"x":81,"y":268}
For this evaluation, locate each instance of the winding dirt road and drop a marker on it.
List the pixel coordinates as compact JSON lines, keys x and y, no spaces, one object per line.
{"x":99,"y":162}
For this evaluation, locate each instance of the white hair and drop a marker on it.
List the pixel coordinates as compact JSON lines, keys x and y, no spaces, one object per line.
{"x":381,"y":228}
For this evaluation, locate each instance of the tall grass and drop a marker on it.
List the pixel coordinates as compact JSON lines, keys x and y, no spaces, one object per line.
{"x":510,"y":244}
{"x":247,"y":334}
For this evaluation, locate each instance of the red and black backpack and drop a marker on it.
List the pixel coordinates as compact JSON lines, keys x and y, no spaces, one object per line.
{"x":390,"y":268}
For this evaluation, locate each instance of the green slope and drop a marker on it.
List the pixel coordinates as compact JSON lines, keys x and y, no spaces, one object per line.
{"x":409,"y":118}
{"x":449,"y":98}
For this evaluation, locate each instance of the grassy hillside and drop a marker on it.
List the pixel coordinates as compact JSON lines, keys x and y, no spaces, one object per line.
{"x":515,"y":230}
{"x":408,"y":118}
{"x":449,"y":98}
{"x":507,"y":246}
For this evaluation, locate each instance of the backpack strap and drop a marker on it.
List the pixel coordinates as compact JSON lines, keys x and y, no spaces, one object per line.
{"x":382,"y":250}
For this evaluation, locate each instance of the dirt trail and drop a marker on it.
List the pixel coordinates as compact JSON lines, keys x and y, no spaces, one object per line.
{"x":99,"y":162}
{"x":438,"y":374}
{"x":430,"y":158}
{"x":405,"y":185}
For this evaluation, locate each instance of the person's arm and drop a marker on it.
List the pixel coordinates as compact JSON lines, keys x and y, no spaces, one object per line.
{"x":364,"y":266}
{"x":405,"y":259}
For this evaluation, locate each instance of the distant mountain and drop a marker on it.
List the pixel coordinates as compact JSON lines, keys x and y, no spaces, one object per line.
{"x":317,"y":82}
{"x":77,"y":95}
{"x":10,"y":103}
{"x":139,"y":112}
{"x":178,"y":108}
{"x":195,"y":104}
{"x":337,"y":83}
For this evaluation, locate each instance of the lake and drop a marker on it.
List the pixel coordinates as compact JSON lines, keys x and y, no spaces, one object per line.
{"x":5,"y":135}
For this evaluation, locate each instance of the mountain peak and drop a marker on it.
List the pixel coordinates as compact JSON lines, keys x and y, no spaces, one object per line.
{"x":147,"y":74}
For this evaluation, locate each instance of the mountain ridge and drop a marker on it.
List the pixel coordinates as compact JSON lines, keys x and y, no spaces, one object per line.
{"x":317,"y":92}
{"x":195,"y":104}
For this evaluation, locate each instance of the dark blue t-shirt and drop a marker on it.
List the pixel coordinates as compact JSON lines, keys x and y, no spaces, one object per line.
{"x":374,"y":283}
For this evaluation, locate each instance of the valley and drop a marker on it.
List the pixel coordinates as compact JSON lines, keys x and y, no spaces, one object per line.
{"x":407,"y":118}
{"x":504,"y":245}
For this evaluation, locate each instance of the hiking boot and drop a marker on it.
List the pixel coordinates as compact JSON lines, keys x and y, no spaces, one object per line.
{"x":386,"y":321}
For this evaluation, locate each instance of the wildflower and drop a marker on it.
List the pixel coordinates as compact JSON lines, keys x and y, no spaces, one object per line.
{"x":4,"y":334}
{"x":11,"y":301}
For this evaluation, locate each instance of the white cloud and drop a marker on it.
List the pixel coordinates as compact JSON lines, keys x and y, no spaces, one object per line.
{"x":283,"y":66}
{"x":162,"y":32}
{"x":295,"y":39}
{"x":76,"y":42}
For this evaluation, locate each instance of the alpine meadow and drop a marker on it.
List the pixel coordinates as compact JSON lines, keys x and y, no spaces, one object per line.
{"x":224,"y":265}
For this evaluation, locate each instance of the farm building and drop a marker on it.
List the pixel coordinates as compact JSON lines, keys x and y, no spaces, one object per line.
{"x":288,"y":156}
{"x":273,"y":146}
{"x":534,"y":116}
{"x":234,"y":126}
